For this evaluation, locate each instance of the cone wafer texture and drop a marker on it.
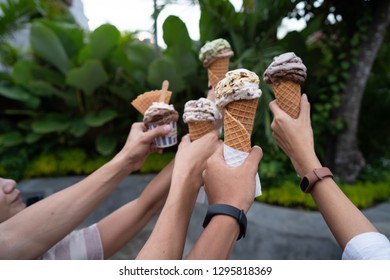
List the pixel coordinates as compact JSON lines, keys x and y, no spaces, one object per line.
{"x":288,"y":97}
{"x":217,"y":70}
{"x":235,"y":134}
{"x":238,"y":94}
{"x":145,"y":100}
{"x":198,"y":129}
{"x":244,"y":111}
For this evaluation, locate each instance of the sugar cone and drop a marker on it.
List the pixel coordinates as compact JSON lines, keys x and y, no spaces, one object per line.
{"x":217,"y":70}
{"x":288,"y":97}
{"x":235,"y":135}
{"x":244,"y":111}
{"x":198,"y":129}
{"x":143,"y":101}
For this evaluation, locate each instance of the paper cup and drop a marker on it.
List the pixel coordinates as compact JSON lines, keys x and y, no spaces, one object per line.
{"x":167,"y":140}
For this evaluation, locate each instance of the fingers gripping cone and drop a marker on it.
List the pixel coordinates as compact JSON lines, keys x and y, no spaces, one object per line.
{"x":288,"y":97}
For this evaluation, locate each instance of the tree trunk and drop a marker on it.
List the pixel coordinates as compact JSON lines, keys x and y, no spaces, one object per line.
{"x":348,"y":160}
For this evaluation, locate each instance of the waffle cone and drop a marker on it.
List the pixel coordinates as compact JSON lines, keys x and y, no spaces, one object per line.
{"x":217,"y":70}
{"x":198,"y":129}
{"x":244,"y":111}
{"x":143,"y":101}
{"x":288,"y":97}
{"x":235,"y":135}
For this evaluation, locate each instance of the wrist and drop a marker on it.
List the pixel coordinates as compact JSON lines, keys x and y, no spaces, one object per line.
{"x":124,"y":162}
{"x":245,"y":206}
{"x":227,"y":210}
{"x":187,"y":177}
{"x":307,"y":164}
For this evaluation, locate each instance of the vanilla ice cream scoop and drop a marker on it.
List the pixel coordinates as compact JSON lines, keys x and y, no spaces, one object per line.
{"x":285,"y":67}
{"x":238,"y":84}
{"x":200,"y":110}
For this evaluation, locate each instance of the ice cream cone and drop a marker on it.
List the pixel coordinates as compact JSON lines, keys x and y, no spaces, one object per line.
{"x":235,"y":135}
{"x":217,"y":70}
{"x":244,"y":111}
{"x":198,"y":129}
{"x":288,"y":97}
{"x":143,"y":101}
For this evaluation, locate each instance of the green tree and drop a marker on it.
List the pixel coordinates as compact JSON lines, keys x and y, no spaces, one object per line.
{"x":158,"y":7}
{"x":352,"y":39}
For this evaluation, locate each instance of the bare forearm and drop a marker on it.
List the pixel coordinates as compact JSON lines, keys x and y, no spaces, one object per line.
{"x":217,"y":240}
{"x":156,"y":192}
{"x":117,"y":229}
{"x":168,"y":237}
{"x":48,"y":221}
{"x":344,"y":219}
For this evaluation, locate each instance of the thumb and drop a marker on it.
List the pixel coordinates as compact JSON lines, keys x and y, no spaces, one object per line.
{"x":158,"y":131}
{"x":253,"y":160}
{"x":275,"y":109}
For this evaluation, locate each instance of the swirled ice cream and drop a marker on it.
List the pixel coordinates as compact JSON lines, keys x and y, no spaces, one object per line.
{"x":200,"y":110}
{"x":285,"y":67}
{"x":160,"y":113}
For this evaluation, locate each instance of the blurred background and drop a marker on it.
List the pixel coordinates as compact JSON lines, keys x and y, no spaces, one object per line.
{"x":69,"y":70}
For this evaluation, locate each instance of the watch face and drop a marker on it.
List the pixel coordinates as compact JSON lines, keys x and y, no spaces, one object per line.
{"x":304,"y":184}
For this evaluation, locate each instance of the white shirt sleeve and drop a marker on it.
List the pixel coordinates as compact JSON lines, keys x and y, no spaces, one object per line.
{"x":367,"y":246}
{"x":83,"y":244}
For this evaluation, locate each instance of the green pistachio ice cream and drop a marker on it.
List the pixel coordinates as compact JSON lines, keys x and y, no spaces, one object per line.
{"x":213,"y":50}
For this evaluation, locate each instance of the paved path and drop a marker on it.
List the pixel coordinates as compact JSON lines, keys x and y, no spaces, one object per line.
{"x":276,"y":233}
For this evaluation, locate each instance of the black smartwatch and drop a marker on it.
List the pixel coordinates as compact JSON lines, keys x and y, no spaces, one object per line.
{"x":224,"y":209}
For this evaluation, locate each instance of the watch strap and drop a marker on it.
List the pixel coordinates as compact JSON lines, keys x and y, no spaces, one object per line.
{"x":224,"y":209}
{"x":310,"y":179}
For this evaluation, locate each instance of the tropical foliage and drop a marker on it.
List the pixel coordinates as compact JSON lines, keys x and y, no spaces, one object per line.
{"x":75,"y":87}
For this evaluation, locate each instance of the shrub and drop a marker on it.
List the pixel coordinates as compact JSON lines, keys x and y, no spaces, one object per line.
{"x":64,"y":162}
{"x":155,"y":162}
{"x":362,"y":194}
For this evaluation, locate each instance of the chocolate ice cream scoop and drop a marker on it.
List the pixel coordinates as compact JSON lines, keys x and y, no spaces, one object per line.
{"x":285,"y":67}
{"x":160,"y":114}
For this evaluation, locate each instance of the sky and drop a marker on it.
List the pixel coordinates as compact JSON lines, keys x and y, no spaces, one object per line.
{"x":132,"y":15}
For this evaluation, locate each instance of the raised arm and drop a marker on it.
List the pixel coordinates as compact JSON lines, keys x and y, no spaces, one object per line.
{"x":233,"y":186}
{"x":118,"y":228}
{"x":295,"y":138}
{"x":30,"y":233}
{"x":168,"y":237}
